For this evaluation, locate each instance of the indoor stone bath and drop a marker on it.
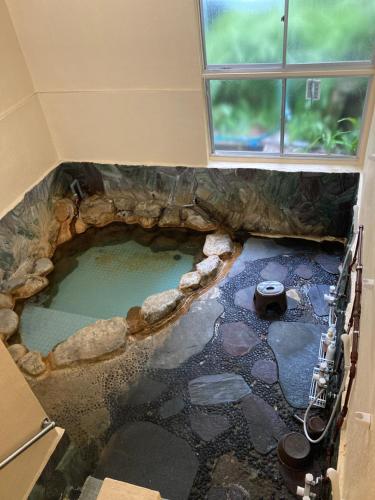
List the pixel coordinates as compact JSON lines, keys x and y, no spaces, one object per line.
{"x":185,"y":381}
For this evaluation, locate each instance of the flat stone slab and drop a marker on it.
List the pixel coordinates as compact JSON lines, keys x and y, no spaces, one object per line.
{"x":296,"y":347}
{"x":329,"y":263}
{"x":143,"y":391}
{"x":264,"y":424}
{"x":304,"y":271}
{"x":274,"y":271}
{"x":145,"y":454}
{"x":208,"y":427}
{"x":187,"y":336}
{"x":244,"y":298}
{"x":265,"y":370}
{"x":218,"y":389}
{"x":238,"y":338}
{"x":316,"y":296}
{"x":263,"y":248}
{"x":171,"y":407}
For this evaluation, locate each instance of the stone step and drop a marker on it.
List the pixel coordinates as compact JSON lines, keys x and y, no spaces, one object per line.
{"x":91,"y":488}
{"x":41,"y":328}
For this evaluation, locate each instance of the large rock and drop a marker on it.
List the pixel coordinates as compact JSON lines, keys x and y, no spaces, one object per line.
{"x":149,"y":210}
{"x":97,"y":210}
{"x":64,"y":209}
{"x":218,"y":244}
{"x":25,"y":268}
{"x":43,"y":266}
{"x":92,"y":341}
{"x":17,"y":351}
{"x":125,"y":202}
{"x":193,"y":220}
{"x":32,"y":363}
{"x":190,"y":281}
{"x":32,"y":286}
{"x":238,"y":338}
{"x":6,"y":301}
{"x":208,"y":268}
{"x":8,"y":323}
{"x":170,"y":217}
{"x":157,"y":306}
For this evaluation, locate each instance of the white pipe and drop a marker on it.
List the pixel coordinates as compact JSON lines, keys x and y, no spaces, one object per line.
{"x":333,"y":475}
{"x":314,"y":441}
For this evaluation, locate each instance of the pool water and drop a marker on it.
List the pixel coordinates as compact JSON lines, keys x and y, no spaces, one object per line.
{"x":102,"y":274}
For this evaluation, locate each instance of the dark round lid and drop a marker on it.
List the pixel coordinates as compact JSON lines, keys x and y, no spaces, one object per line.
{"x":315,"y":425}
{"x":294,"y":450}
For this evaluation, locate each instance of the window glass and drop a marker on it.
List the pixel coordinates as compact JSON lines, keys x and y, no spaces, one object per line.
{"x":246,"y":115}
{"x":326,"y":121}
{"x":243,"y":31}
{"x":330,"y":31}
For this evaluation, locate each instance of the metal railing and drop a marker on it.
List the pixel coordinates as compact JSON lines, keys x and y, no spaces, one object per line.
{"x":46,"y":426}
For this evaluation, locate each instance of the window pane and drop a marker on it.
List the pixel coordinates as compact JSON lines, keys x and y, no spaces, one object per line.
{"x":328,"y":122}
{"x":243,"y":31}
{"x":330,"y":30}
{"x":246,"y":115}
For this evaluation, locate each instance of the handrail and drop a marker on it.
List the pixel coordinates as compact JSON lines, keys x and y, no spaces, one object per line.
{"x":354,"y":322}
{"x":47,"y":425}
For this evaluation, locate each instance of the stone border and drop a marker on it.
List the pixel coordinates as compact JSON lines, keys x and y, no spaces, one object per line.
{"x":105,"y":337}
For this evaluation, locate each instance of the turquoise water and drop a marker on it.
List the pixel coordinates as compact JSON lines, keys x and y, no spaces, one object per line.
{"x":103,"y":274}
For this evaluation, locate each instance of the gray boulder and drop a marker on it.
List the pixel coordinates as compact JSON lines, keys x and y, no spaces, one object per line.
{"x":32,"y":363}
{"x":190,"y":281}
{"x":159,"y":305}
{"x":92,"y":341}
{"x":193,"y":220}
{"x":32,"y":286}
{"x":43,"y":267}
{"x":149,"y":210}
{"x":208,"y":268}
{"x":218,"y":244}
{"x":17,"y":351}
{"x":6,"y":301}
{"x":8,"y":323}
{"x":97,"y":210}
{"x":170,"y":217}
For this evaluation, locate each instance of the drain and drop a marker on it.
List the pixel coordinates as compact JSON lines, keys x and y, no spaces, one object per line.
{"x":177,"y":257}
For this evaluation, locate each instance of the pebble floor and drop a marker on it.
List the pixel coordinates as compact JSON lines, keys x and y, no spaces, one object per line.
{"x":261,"y":476}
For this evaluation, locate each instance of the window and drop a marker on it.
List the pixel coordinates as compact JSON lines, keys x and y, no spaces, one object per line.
{"x":288,"y":77}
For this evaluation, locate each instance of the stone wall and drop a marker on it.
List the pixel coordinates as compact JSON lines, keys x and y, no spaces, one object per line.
{"x":270,"y":202}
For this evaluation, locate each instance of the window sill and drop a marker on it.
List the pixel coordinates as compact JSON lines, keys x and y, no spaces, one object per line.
{"x":284,"y":165}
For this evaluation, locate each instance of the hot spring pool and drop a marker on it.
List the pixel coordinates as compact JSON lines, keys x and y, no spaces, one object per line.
{"x":102,"y":274}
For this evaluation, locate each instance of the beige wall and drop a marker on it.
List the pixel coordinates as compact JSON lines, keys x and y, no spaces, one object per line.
{"x":119,"y":80}
{"x":357,"y":447}
{"x":20,"y":419}
{"x":26,"y":149}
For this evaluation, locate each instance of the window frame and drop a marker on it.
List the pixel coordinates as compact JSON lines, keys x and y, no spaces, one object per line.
{"x":284,"y":72}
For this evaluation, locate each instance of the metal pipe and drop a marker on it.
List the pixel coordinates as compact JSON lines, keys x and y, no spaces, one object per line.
{"x":47,"y":425}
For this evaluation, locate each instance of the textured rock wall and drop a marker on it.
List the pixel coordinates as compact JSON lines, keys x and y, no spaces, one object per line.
{"x":271,"y":202}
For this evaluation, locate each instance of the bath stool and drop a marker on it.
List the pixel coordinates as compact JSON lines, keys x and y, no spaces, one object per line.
{"x":270,"y":298}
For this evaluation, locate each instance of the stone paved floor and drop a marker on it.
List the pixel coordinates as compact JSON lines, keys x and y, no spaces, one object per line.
{"x":230,"y":401}
{"x":196,"y":411}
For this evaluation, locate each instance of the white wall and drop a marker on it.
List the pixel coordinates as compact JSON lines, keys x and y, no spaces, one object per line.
{"x":26,"y":149}
{"x":356,"y":463}
{"x":119,"y":80}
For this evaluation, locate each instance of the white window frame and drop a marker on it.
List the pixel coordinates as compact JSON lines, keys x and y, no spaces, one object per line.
{"x":282,"y":72}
